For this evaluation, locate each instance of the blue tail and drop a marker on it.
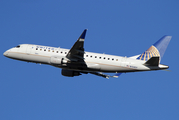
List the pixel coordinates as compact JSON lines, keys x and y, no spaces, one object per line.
{"x":157,"y":49}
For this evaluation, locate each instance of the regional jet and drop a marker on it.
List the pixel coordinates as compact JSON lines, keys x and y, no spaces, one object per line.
{"x":76,"y":61}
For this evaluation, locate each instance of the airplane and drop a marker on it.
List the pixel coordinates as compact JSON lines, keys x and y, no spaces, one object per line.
{"x":76,"y":61}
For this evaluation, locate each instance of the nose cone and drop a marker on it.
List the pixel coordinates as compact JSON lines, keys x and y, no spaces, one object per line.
{"x":5,"y":53}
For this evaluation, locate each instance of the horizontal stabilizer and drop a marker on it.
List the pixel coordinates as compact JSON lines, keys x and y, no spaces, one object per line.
{"x":153,"y":61}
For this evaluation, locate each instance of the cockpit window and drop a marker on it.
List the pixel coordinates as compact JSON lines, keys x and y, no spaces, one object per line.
{"x":18,"y":46}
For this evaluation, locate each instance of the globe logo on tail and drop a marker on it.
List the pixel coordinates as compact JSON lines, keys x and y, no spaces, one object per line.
{"x":152,"y":51}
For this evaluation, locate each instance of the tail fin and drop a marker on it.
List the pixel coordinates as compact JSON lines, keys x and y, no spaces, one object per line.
{"x":157,"y":49}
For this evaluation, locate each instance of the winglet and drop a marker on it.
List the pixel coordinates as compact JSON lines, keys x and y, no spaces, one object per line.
{"x":82,"y":36}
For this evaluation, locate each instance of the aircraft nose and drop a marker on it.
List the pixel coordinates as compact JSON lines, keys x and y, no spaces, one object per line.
{"x":5,"y":53}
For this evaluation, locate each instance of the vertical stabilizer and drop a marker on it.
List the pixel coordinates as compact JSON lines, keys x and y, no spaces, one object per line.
{"x":162,"y":44}
{"x":157,"y":49}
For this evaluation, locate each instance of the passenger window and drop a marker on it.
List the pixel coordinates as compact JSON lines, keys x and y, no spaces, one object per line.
{"x":57,"y":51}
{"x":36,"y":48}
{"x":65,"y":52}
{"x":90,"y":56}
{"x":116,"y":59}
{"x":48,"y":50}
{"x":53,"y":51}
{"x":86,"y":55}
{"x":108,"y":58}
{"x":95,"y":56}
{"x":99,"y":57}
{"x":44,"y":49}
{"x":104,"y":58}
{"x":113,"y":59}
{"x":40,"y":49}
{"x":61,"y":52}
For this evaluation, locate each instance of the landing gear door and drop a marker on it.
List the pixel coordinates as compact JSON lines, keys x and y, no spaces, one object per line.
{"x":28,"y":49}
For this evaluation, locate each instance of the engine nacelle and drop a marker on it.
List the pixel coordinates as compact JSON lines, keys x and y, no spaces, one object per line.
{"x":70,"y":73}
{"x":57,"y":60}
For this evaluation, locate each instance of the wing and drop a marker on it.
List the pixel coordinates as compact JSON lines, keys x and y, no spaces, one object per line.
{"x":76,"y":53}
{"x":105,"y":76}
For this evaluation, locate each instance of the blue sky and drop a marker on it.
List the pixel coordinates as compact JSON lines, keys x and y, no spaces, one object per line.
{"x":119,"y":27}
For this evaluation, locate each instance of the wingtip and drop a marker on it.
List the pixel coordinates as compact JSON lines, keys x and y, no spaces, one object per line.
{"x":83,"y":34}
{"x":117,"y":75}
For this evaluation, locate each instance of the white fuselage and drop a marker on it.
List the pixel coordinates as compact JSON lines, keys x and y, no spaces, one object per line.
{"x":93,"y":61}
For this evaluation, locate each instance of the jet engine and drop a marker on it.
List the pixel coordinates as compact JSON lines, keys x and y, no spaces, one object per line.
{"x":70,"y":73}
